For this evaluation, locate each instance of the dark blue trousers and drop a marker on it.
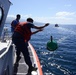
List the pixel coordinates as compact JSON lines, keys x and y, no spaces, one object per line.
{"x":21,"y":46}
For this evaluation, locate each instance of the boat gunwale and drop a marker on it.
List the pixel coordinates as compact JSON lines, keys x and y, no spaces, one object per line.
{"x":36,"y":59}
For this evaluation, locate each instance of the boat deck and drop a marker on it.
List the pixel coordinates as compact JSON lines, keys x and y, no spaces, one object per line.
{"x":22,"y":68}
{"x":8,"y":59}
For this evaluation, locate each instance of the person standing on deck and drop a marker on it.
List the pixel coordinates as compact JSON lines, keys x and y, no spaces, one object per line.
{"x":20,"y":38}
{"x":15,"y":22}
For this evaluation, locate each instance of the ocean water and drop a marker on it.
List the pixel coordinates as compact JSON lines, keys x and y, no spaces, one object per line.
{"x":63,"y":60}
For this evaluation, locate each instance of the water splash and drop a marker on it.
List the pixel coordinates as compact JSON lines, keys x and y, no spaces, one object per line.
{"x":62,"y":39}
{"x":65,"y":71}
{"x":67,"y":30}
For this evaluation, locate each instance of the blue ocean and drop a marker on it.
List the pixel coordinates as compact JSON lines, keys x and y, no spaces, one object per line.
{"x":62,"y":61}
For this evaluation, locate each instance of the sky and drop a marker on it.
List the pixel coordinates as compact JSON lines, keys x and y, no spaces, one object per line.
{"x":45,"y":11}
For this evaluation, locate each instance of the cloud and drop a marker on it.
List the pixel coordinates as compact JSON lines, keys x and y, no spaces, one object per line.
{"x":60,"y":17}
{"x":26,"y":16}
{"x":64,"y":14}
{"x":22,"y":16}
{"x":12,"y":16}
{"x":64,"y":17}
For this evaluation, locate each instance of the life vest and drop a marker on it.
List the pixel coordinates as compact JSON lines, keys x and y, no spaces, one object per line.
{"x":23,"y":29}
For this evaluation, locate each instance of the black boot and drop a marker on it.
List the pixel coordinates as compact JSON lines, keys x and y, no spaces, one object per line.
{"x":31,"y":69}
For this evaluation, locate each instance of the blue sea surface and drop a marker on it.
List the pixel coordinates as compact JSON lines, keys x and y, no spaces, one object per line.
{"x":63,"y":60}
